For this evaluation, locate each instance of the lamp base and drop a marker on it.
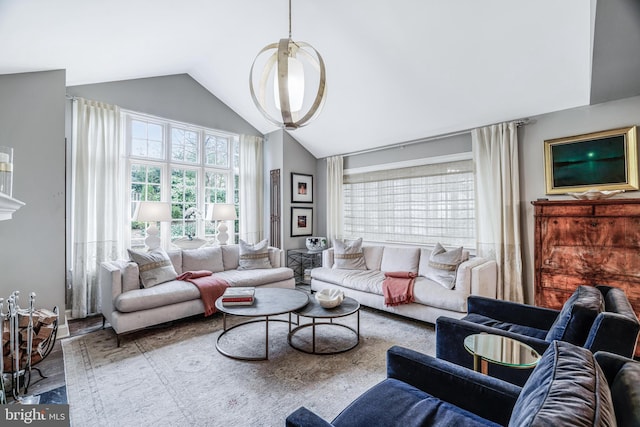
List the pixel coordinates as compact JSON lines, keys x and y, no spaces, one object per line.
{"x":153,"y":240}
{"x":222,"y":233}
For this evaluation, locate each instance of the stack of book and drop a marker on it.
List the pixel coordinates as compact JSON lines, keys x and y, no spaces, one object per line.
{"x":238,"y":296}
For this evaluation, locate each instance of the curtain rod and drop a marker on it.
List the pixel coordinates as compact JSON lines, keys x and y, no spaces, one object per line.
{"x":519,"y":122}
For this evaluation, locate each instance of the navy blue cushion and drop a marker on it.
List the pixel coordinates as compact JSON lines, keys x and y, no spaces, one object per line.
{"x":577,"y":315}
{"x":566,"y":388}
{"x":626,"y":394}
{"x":479,"y":319}
{"x":396,"y":403}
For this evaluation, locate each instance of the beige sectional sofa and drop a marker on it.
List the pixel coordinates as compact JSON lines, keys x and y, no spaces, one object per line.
{"x":475,"y":276}
{"x":128,"y":306}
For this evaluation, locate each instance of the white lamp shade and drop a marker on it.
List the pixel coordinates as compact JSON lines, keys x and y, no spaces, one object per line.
{"x":221,"y":212}
{"x":153,"y":211}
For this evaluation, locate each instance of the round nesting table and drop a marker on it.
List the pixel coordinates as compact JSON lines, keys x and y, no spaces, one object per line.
{"x":490,"y":348}
{"x":267,"y":302}
{"x":315,"y":311}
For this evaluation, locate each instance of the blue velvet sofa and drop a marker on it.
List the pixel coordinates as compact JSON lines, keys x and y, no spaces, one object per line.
{"x":594,"y":317}
{"x":570,"y":386}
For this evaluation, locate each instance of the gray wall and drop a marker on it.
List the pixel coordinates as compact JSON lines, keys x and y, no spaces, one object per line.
{"x":32,"y":253}
{"x":177,"y":97}
{"x":576,"y":121}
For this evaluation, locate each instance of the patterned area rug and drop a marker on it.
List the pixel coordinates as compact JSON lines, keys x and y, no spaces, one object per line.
{"x":174,"y":376}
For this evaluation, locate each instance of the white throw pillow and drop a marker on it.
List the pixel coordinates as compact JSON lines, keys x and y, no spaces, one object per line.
{"x":254,"y":256}
{"x":155,"y":266}
{"x":348,"y":254}
{"x":443,"y":265}
{"x":203,"y":259}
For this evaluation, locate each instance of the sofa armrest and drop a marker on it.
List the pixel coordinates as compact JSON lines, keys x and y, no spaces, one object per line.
{"x":513,"y":312}
{"x":327,"y":258}
{"x":276,"y":257}
{"x":481,"y":394}
{"x":613,"y":332}
{"x":302,"y":417}
{"x":110,"y":285}
{"x":484,"y":279}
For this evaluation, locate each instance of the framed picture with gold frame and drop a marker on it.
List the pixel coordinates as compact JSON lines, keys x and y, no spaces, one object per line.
{"x":606,"y":160}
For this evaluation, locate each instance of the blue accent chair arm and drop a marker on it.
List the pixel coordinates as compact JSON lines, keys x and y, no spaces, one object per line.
{"x":483,"y":395}
{"x":512,"y":312}
{"x":302,"y":417}
{"x":451,"y":333}
{"x":613,"y":332}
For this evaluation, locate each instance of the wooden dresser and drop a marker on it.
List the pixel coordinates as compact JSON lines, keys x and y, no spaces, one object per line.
{"x":579,"y":242}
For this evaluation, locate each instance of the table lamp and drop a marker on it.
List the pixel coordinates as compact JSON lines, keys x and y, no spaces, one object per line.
{"x":222,"y":212}
{"x":152,"y":212}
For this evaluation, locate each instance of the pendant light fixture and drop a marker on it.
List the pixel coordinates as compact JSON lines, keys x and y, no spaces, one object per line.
{"x":290,"y":89}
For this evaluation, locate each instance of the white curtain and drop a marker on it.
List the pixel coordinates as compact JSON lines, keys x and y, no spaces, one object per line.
{"x":335,"y":171}
{"x":251,"y":189}
{"x":495,"y":154}
{"x":96,"y":207}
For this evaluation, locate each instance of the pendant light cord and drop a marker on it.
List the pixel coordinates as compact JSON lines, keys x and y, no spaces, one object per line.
{"x":289,"y":19}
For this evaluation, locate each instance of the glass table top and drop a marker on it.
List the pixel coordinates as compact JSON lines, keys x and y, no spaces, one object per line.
{"x":501,"y":350}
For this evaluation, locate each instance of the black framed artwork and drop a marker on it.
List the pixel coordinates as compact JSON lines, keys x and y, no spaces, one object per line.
{"x":301,"y":188}
{"x":301,"y":221}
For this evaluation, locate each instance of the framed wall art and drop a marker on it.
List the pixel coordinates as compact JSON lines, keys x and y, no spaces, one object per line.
{"x":301,"y":221}
{"x":606,"y":160}
{"x":301,"y":188}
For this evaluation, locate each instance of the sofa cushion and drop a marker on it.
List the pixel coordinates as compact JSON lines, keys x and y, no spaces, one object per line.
{"x":130,"y":275}
{"x":442,"y":266}
{"x":479,"y":319}
{"x":209,"y":258}
{"x":404,"y":405}
{"x":155,"y":266}
{"x":400,"y":259}
{"x":172,"y":292}
{"x":372,"y":256}
{"x":176,"y":259}
{"x":255,"y":277}
{"x":566,"y":388}
{"x":348,"y":254}
{"x":254,"y":256}
{"x":626,"y":394}
{"x":577,"y":315}
{"x":428,"y":292}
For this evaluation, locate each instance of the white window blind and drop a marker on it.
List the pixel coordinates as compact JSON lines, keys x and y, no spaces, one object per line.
{"x":420,"y":204}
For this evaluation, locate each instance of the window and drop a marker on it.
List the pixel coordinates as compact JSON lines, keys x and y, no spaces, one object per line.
{"x":419,"y":204}
{"x":185,"y":164}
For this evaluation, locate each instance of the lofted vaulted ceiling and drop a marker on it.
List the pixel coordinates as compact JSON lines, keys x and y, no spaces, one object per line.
{"x":397,"y":70}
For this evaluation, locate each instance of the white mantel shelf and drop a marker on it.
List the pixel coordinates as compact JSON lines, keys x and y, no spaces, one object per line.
{"x":8,"y":206}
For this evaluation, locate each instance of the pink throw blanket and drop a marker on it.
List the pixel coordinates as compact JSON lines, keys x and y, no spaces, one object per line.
{"x":397,"y":287}
{"x":211,"y":288}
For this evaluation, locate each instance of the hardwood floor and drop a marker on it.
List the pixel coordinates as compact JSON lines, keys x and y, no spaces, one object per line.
{"x":51,"y":389}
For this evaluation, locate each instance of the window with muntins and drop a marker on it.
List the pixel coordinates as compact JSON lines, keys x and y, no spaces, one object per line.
{"x":190,"y":166}
{"x":423,"y":204}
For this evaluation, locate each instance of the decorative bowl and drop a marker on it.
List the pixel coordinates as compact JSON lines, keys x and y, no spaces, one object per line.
{"x":595,"y":194}
{"x":330,"y":298}
{"x":316,"y":244}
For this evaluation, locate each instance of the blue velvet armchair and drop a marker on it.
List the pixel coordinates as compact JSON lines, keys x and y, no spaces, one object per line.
{"x":597,"y":318}
{"x":566,"y":388}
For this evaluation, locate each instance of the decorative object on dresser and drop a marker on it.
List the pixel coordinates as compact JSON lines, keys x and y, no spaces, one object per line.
{"x":316,"y":244}
{"x":579,"y":242}
{"x":605,"y":160}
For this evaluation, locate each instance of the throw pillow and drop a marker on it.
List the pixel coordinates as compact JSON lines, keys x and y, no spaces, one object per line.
{"x":577,"y":315}
{"x":443,"y":265}
{"x":209,"y":258}
{"x":254,"y":256}
{"x":155,"y":266}
{"x":567,"y":387}
{"x":348,"y":254}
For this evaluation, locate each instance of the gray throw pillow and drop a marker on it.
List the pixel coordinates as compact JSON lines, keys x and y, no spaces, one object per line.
{"x":254,"y":256}
{"x":348,"y":254}
{"x":155,"y":266}
{"x":443,"y":265}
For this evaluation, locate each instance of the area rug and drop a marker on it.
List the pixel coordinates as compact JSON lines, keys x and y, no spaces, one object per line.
{"x":174,"y":376}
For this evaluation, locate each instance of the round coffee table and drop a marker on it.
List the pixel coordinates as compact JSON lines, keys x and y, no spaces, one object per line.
{"x":314,"y":311}
{"x":267,"y":302}
{"x":490,"y":348}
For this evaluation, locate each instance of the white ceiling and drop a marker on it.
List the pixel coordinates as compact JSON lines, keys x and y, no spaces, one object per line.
{"x":397,"y":70}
